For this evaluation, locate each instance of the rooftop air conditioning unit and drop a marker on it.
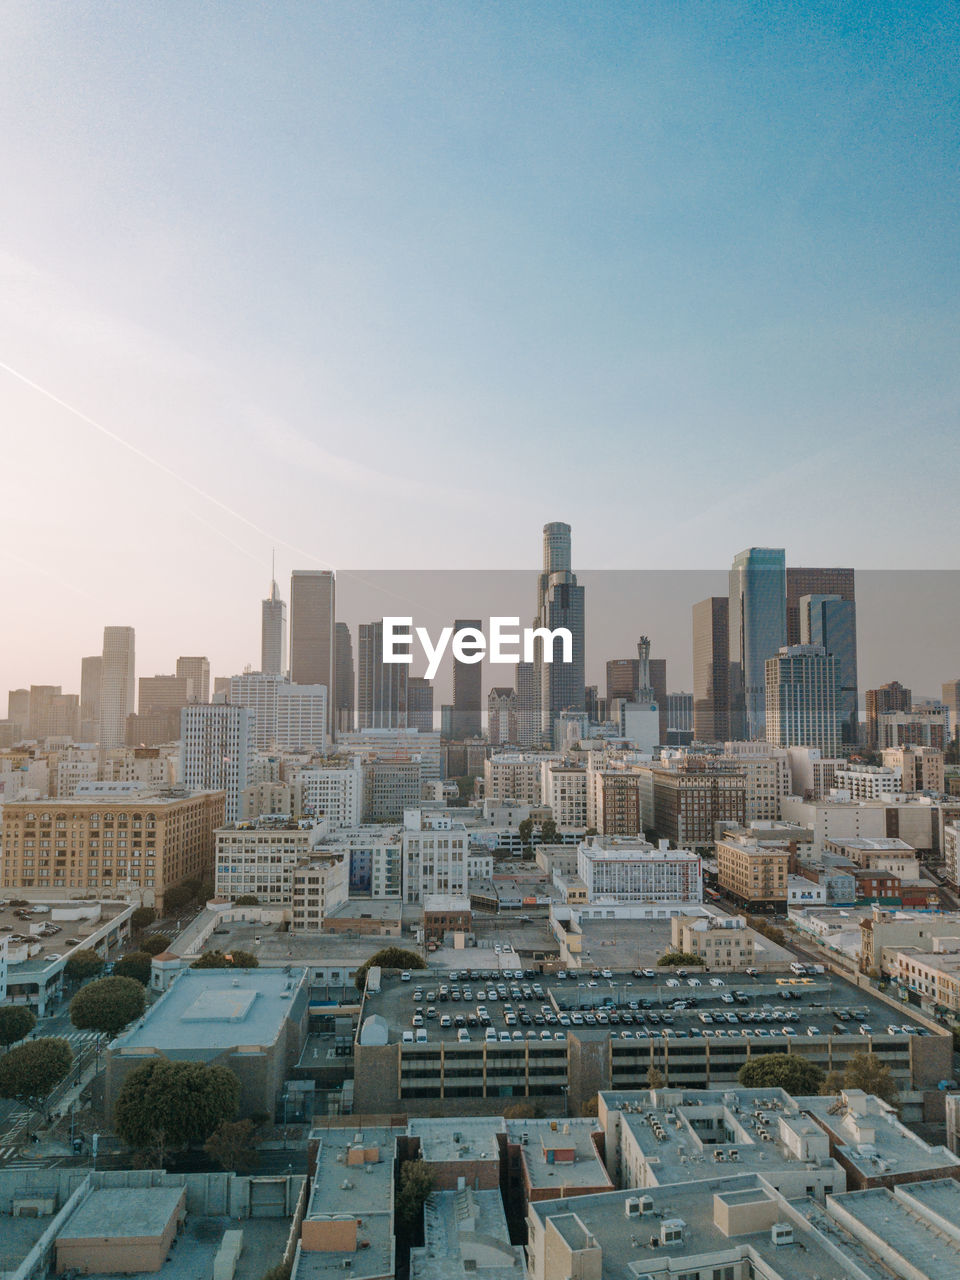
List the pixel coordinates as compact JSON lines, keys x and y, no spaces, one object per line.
{"x":781,"y":1233}
{"x":646,"y":1204}
{"x":631,"y":1207}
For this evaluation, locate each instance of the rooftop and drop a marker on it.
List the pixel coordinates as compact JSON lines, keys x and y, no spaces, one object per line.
{"x":544,"y":1144}
{"x":217,"y":1009}
{"x":872,"y":1138}
{"x":463,"y":1138}
{"x":119,"y":1213}
{"x":901,"y":1226}
{"x":466,"y":1231}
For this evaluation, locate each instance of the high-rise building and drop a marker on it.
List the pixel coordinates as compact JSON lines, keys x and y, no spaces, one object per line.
{"x":640,"y":714}
{"x":529,"y":733}
{"x":164,"y":693}
{"x":344,"y":680}
{"x":313,"y":628}
{"x":888,"y":698}
{"x":561,"y":604}
{"x":814,"y":582}
{"x":466,"y":688}
{"x":381,"y":687}
{"x":18,"y":708}
{"x":446,"y":720}
{"x":658,"y":683}
{"x":802,"y":699}
{"x":711,"y":670}
{"x":91,"y":670}
{"x":758,"y":630}
{"x":622,"y":678}
{"x":419,"y":704}
{"x":273,"y":633}
{"x":117,"y":685}
{"x":832,"y":622}
{"x":679,"y":712}
{"x":950,"y":697}
{"x":197,"y":671}
{"x":52,"y":713}
{"x":216,"y":750}
{"x":502,"y":716}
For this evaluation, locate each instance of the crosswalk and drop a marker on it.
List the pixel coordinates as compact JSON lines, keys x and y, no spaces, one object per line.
{"x":22,"y":1120}
{"x":14,"y":1134}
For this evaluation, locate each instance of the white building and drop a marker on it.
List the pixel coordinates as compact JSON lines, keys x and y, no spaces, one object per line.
{"x":319,"y":886}
{"x":435,"y":855}
{"x":766,"y":777}
{"x":564,"y":789}
{"x":867,"y":781}
{"x":395,"y":744}
{"x":515,"y":776}
{"x":286,"y":716}
{"x":639,"y":724}
{"x":258,"y":857}
{"x":216,"y":744}
{"x":627,"y":869}
{"x":335,"y":791}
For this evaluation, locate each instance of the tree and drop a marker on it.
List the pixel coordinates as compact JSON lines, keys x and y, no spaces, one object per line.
{"x":178,"y":897}
{"x":519,"y":1111}
{"x":655,"y":1078}
{"x":154,"y":943}
{"x":29,"y":1071}
{"x":107,"y":1005}
{"x":416,"y":1183}
{"x":389,"y":958}
{"x":164,"y":1105}
{"x":136,"y":965}
{"x":525,"y":831}
{"x":548,"y":832}
{"x":142,"y":917}
{"x":867,"y":1072}
{"x":232,"y":1146}
{"x":16,"y":1021}
{"x":83,"y":964}
{"x":232,"y":960}
{"x":671,"y":958}
{"x":590,"y":1106}
{"x":781,"y":1071}
{"x":247,"y":900}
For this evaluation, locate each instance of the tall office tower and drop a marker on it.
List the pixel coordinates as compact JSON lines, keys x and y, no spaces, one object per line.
{"x":591,"y":703}
{"x":560,"y":601}
{"x":197,"y":671}
{"x":711,"y":670}
{"x":814,"y":582}
{"x":446,"y":720}
{"x":502,"y":716}
{"x":117,"y":685}
{"x":950,"y":696}
{"x":313,"y":629}
{"x":91,"y":670}
{"x":53,"y":713}
{"x":802,"y":698}
{"x":658,"y":683}
{"x":529,"y":733}
{"x":18,"y":708}
{"x":381,"y":686}
{"x":419,"y":704}
{"x":640,"y":714}
{"x":216,"y":751}
{"x":273,"y":633}
{"x":164,"y":693}
{"x":880,"y":702}
{"x":466,"y":689}
{"x":343,"y":679}
{"x":832,"y":622}
{"x":622,"y":678}
{"x":758,"y":631}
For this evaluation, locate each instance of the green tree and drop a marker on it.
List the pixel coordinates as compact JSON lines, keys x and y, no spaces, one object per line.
{"x":673,"y":958}
{"x":787,"y":1071}
{"x":548,"y":832}
{"x":29,"y":1071}
{"x":655,"y":1078}
{"x":525,"y":831}
{"x":230,"y":960}
{"x":232,"y":1146}
{"x":135,"y":964}
{"x":107,"y":1005}
{"x":389,"y":958}
{"x":164,"y":1105}
{"x":154,"y":943}
{"x":177,"y":897}
{"x":867,"y":1072}
{"x":416,"y":1183}
{"x":142,"y":917}
{"x":247,"y":900}
{"x":83,"y":964}
{"x":16,"y":1021}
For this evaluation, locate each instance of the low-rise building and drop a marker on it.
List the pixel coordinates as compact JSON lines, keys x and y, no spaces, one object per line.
{"x":724,"y":942}
{"x":258,"y":857}
{"x":445,"y":913}
{"x":751,"y":872}
{"x":625,"y":869}
{"x":318,"y":885}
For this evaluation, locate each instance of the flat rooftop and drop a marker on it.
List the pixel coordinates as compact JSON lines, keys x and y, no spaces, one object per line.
{"x":54,"y":944}
{"x":874,"y":1140}
{"x":121,"y":1213}
{"x":891,"y":1222}
{"x":466,"y":1138}
{"x":455,"y":1222}
{"x":278,"y":948}
{"x":217,"y":1009}
{"x":198,"y":1243}
{"x":539,"y":1138}
{"x":383,"y":909}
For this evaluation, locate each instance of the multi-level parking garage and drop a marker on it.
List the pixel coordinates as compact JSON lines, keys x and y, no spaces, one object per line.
{"x":482,"y":1038}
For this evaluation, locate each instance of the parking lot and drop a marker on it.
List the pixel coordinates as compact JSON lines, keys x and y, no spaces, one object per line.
{"x":482,"y":1006}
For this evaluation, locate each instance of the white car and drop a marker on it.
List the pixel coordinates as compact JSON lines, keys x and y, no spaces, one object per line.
{"x":694,"y":982}
{"x":405,"y":976}
{"x":673,"y":982}
{"x":717,"y":982}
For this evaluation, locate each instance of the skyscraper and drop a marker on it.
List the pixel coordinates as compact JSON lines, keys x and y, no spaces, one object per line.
{"x":832,"y":622}
{"x":560,"y":601}
{"x":216,"y":749}
{"x":273,"y":633}
{"x":381,"y":687}
{"x":880,"y":702}
{"x":529,"y":733}
{"x":117,"y":685}
{"x":466,"y":689}
{"x":814,"y":582}
{"x":658,"y":683}
{"x":312,"y":628}
{"x":950,"y":696}
{"x":758,"y":630}
{"x":344,"y":679}
{"x":90,"y":676}
{"x":197,"y":671}
{"x":622,"y":678}
{"x":711,"y":670}
{"x":801,"y":704}
{"x":420,"y":704}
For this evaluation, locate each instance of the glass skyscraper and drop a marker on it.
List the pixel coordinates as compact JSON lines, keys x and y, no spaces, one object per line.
{"x":758,"y":630}
{"x":832,"y":622}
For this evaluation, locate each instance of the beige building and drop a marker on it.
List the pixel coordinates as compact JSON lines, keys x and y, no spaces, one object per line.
{"x":135,"y":847}
{"x":724,"y":942}
{"x":752,"y":872}
{"x":921,"y":768}
{"x":564,"y":789}
{"x":513,"y":776}
{"x":885,"y":933}
{"x":935,"y":977}
{"x":122,"y":1231}
{"x":258,"y":858}
{"x":318,"y":886}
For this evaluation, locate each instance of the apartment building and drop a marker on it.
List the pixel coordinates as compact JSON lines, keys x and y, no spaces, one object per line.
{"x":435,"y":856}
{"x":257,"y":858}
{"x":564,"y":790}
{"x":753,"y":873}
{"x":514,"y":776}
{"x":724,"y":942}
{"x":318,"y":886}
{"x":131,"y":847}
{"x":623,"y":869}
{"x":691,"y":797}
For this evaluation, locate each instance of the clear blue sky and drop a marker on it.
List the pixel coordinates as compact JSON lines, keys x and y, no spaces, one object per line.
{"x":397,"y":283}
